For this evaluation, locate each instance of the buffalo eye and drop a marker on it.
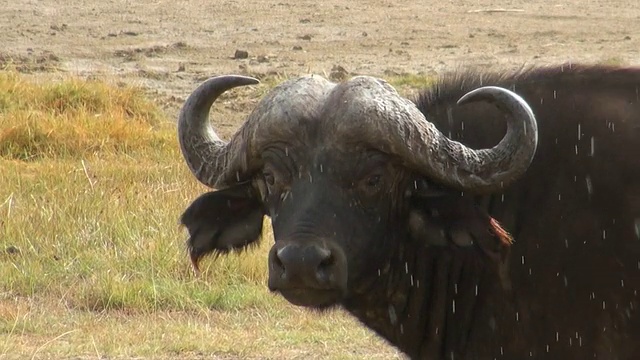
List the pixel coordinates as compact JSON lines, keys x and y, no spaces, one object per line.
{"x":269,"y":178}
{"x":371,"y":184}
{"x":373,"y":180}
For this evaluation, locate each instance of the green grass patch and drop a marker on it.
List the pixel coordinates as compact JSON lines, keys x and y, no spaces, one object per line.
{"x":92,"y":260}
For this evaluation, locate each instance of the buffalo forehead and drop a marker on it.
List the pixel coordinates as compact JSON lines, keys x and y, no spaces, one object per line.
{"x":312,"y":111}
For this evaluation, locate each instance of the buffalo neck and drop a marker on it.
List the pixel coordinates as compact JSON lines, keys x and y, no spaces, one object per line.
{"x":426,"y":304}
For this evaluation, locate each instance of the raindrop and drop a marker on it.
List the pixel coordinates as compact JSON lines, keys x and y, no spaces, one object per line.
{"x":418,"y":283}
{"x":401,"y":329}
{"x":453,"y":306}
{"x":604,"y":305}
{"x":566,"y":282}
{"x":622,"y":282}
{"x":310,"y":178}
{"x":517,"y":316}
{"x":579,"y":131}
{"x":576,"y":147}
{"x":589,"y":184}
{"x":321,"y":168}
{"x":593,"y":147}
{"x":555,"y":94}
{"x":522,"y":259}
{"x":455,"y":288}
{"x":238,"y":176}
{"x":501,"y":351}
{"x":286,"y":151}
{"x":636,"y":224}
{"x":559,"y":196}
{"x":450,"y":118}
{"x":378,"y":272}
{"x":557,"y":336}
{"x":541,"y":101}
{"x":604,"y":234}
{"x":613,"y":127}
{"x":393,"y":317}
{"x":556,"y":141}
{"x":570,"y":341}
{"x":502,"y":197}
{"x":547,"y":347}
{"x":411,"y":279}
{"x":580,"y":341}
{"x":566,"y":243}
{"x":406,"y":267}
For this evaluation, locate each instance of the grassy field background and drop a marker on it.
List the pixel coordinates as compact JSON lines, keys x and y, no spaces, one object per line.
{"x":92,"y":260}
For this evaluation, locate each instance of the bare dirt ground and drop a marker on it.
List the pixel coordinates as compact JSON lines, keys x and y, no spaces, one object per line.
{"x":169,"y":46}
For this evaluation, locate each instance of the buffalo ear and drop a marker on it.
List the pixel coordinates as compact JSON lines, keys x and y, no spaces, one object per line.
{"x":221,"y":221}
{"x":457,"y":221}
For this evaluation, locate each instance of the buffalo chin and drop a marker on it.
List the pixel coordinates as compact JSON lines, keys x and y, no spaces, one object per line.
{"x":312,"y":298}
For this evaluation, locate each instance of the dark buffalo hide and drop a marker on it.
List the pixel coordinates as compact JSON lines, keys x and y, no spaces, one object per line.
{"x":437,"y":275}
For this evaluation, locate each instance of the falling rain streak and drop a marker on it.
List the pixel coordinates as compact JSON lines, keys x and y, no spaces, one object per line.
{"x":579,"y":131}
{"x":589,"y":184}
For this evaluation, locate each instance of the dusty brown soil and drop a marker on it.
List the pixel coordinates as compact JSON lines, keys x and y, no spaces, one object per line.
{"x":169,"y":46}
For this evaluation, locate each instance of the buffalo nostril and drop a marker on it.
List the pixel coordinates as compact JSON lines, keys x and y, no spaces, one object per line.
{"x":276,"y":259}
{"x":325,"y":266}
{"x":303,"y":264}
{"x":327,"y":261}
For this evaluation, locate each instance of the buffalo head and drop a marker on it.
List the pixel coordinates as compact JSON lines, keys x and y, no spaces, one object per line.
{"x":337,"y":168}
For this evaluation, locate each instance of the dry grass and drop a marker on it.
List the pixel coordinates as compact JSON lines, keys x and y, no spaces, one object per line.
{"x":92,"y":260}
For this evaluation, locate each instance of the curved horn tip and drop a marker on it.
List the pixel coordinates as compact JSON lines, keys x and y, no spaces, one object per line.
{"x":489,"y":93}
{"x":235,"y":80}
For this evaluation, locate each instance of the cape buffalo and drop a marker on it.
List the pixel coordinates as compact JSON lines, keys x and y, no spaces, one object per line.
{"x":382,"y":206}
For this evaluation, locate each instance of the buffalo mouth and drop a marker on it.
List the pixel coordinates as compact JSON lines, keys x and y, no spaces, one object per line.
{"x":310,"y":297}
